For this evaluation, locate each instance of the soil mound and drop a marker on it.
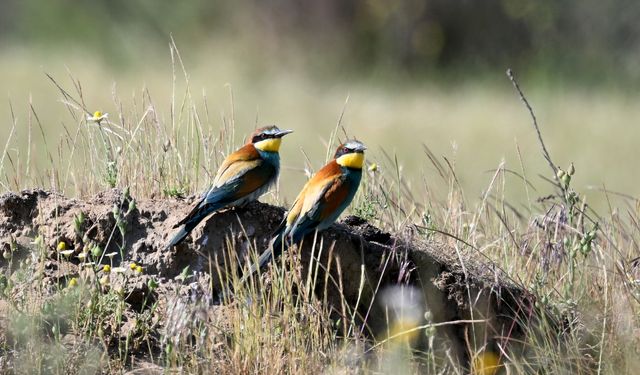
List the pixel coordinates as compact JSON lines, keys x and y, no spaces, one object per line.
{"x":453,"y":286}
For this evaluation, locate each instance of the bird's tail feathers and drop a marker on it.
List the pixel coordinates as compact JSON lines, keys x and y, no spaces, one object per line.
{"x":177,"y":238}
{"x":277,"y":244}
{"x":189,"y":224}
{"x":275,"y":248}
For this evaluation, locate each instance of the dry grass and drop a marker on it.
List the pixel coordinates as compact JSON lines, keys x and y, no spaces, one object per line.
{"x":476,"y":125}
{"x":548,"y":238}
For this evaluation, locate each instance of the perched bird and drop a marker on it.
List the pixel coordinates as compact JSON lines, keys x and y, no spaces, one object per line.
{"x":321,"y":200}
{"x":243,"y":177}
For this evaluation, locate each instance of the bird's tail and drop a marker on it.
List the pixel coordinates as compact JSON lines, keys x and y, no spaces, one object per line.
{"x":278,"y":244}
{"x":178,"y":237}
{"x":188,"y":224}
{"x":276,"y":247}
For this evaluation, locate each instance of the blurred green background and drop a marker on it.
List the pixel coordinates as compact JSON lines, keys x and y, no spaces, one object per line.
{"x":414,"y":72}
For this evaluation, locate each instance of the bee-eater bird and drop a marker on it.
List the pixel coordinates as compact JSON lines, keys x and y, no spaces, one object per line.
{"x":243,"y":177}
{"x":321,"y":201}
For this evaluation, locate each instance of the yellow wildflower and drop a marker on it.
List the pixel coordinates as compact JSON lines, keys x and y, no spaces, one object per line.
{"x":486,"y":363}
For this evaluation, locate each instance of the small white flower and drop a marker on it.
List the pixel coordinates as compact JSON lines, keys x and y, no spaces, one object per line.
{"x":98,"y":117}
{"x":67,"y":252}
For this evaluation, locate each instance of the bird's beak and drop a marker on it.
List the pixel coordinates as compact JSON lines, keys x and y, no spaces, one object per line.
{"x":361,"y":148}
{"x":282,"y":133}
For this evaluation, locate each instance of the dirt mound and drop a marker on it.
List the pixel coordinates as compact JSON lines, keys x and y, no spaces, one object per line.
{"x":453,"y":286}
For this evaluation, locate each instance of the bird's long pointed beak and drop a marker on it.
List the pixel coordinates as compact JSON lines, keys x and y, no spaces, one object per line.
{"x":282,"y":133}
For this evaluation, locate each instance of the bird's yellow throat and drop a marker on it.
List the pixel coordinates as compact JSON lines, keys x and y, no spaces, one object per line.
{"x":353,"y":160}
{"x":269,"y":145}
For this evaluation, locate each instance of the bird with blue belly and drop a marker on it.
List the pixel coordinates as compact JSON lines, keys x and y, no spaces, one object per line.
{"x":244,"y":176}
{"x":322,"y":199}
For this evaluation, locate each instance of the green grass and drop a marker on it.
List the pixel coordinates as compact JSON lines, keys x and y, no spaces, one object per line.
{"x":168,"y":138}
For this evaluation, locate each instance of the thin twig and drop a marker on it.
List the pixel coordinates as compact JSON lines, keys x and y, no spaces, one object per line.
{"x":425,"y":326}
{"x":545,"y":153}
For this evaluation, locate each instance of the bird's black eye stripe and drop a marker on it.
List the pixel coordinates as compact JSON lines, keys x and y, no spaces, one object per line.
{"x":260,"y":137}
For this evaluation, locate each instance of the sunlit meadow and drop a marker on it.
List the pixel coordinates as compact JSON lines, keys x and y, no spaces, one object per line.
{"x":195,"y":107}
{"x":476,"y":124}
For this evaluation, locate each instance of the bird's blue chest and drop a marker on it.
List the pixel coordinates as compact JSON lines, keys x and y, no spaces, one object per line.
{"x":271,"y":158}
{"x":352,"y":179}
{"x":352,"y":176}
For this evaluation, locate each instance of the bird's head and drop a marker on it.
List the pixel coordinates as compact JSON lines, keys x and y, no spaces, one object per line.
{"x":351,"y":154}
{"x":268,"y":138}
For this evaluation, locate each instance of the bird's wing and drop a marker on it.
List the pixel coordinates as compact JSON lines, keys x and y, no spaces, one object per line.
{"x":240,"y":179}
{"x":241,"y":173}
{"x":309,"y":193}
{"x":298,"y":219}
{"x":233,"y":164}
{"x":323,"y":196}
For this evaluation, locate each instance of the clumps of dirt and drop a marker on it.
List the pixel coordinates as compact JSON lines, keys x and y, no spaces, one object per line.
{"x":17,"y":210}
{"x":135,"y":231}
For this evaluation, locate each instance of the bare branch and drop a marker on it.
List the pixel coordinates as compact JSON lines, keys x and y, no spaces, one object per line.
{"x":545,"y":153}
